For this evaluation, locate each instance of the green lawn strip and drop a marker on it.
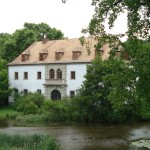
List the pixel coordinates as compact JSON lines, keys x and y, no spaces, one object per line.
{"x":6,"y":111}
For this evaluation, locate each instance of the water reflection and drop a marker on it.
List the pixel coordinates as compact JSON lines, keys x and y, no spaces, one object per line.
{"x":89,"y":136}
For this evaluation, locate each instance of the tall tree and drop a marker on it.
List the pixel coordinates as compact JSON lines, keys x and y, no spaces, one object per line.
{"x":4,"y":83}
{"x":13,"y":45}
{"x":129,"y":89}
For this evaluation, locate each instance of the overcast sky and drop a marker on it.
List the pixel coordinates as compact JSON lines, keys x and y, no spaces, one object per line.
{"x":70,"y":17}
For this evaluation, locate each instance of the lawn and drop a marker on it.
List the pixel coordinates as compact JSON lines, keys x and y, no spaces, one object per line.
{"x":6,"y":111}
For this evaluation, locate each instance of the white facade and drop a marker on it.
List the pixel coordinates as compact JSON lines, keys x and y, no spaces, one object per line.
{"x":32,"y":84}
{"x":80,"y":71}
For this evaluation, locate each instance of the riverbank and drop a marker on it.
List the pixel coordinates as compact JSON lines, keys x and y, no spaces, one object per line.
{"x":6,"y":111}
{"x":86,"y":136}
{"x":27,"y":142}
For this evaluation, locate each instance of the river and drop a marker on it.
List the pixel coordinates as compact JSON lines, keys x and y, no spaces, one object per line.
{"x":86,"y":136}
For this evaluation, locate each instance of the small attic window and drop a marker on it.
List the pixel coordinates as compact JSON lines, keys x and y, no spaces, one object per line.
{"x":99,"y":52}
{"x":25,"y":55}
{"x":42,"y":55}
{"x":59,"y":54}
{"x":76,"y":53}
{"x":118,"y":53}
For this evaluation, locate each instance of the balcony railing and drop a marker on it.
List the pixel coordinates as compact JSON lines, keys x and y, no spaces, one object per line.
{"x":55,"y":82}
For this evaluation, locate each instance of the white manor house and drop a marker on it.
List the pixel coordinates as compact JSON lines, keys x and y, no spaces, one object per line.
{"x":54,"y":68}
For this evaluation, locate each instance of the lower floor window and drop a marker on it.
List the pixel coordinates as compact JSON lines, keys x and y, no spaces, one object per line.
{"x":25,"y":91}
{"x":72,"y":94}
{"x":39,"y":91}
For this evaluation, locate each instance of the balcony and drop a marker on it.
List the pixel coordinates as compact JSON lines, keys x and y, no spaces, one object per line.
{"x":55,"y":82}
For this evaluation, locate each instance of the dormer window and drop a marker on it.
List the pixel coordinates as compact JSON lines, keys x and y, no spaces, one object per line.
{"x":59,"y":54}
{"x":25,"y":56}
{"x":118,"y":53}
{"x":42,"y":55}
{"x":76,"y":53}
{"x":99,"y":52}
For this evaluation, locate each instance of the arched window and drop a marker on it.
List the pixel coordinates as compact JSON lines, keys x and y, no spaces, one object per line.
{"x":59,"y":74}
{"x":52,"y":74}
{"x":55,"y":95}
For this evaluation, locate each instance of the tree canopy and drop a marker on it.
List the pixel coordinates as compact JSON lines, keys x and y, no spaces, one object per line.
{"x":138,"y":13}
{"x":12,"y":45}
{"x":125,"y":79}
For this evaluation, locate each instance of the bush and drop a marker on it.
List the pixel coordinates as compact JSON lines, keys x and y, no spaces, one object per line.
{"x":57,"y":110}
{"x":30,"y":103}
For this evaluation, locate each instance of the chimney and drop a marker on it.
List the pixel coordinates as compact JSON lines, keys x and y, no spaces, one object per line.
{"x":45,"y":40}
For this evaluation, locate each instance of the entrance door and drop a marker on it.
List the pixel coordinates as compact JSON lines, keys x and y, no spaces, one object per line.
{"x":55,"y":95}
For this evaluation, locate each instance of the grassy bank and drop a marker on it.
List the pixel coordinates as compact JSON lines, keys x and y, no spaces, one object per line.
{"x":6,"y":111}
{"x":27,"y":142}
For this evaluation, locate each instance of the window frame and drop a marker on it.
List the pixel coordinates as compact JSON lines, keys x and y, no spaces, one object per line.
{"x":25,"y":75}
{"x":39,"y":91}
{"x":25,"y":91}
{"x":16,"y":75}
{"x":59,"y":74}
{"x":39,"y":75}
{"x":72,"y":94}
{"x":51,"y":74}
{"x":73,"y":75}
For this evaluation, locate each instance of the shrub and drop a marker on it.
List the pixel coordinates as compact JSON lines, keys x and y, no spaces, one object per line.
{"x":30,"y":103}
{"x":57,"y":110}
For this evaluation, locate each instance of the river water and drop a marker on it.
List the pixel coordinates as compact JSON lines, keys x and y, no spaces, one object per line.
{"x":86,"y":136}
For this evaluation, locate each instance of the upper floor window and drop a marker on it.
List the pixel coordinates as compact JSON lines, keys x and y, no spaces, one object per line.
{"x":59,"y":74}
{"x":39,"y":76}
{"x":16,"y":76}
{"x":25,"y":75}
{"x":73,"y":75}
{"x":51,"y":74}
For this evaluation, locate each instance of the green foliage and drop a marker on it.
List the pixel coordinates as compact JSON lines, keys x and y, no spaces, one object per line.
{"x":4,"y":83}
{"x":27,"y":142}
{"x":57,"y":110}
{"x":108,"y":93}
{"x":12,"y":45}
{"x":137,"y":17}
{"x":43,"y":29}
{"x":30,"y":103}
{"x":6,"y":111}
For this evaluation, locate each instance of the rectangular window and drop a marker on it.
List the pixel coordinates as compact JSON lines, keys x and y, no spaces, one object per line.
{"x":16,"y":75}
{"x":39,"y":75}
{"x":25,"y":75}
{"x":72,"y":94}
{"x":25,"y":91}
{"x":16,"y":91}
{"x":57,"y":56}
{"x":39,"y":91}
{"x":41,"y":57}
{"x":75,"y":55}
{"x":73,"y":75}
